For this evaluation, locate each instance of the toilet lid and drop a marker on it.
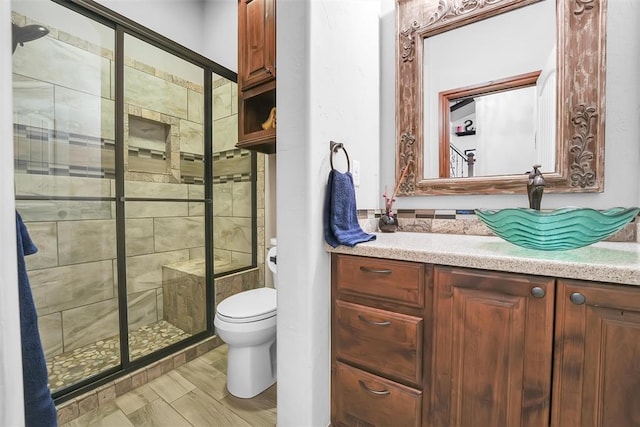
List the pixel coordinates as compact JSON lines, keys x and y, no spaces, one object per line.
{"x":248,"y":306}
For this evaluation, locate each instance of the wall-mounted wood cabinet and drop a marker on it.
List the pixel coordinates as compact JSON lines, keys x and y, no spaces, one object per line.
{"x":257,"y":75}
{"x":421,"y":345}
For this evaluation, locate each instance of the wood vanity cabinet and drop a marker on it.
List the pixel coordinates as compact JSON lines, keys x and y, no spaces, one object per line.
{"x":378,"y":341}
{"x":256,"y":74}
{"x":597,"y":355}
{"x":415,"y":344}
{"x":492,"y":346}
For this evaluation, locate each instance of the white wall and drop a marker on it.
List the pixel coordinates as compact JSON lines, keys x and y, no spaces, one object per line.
{"x":622,"y":159}
{"x":327,"y":90}
{"x":220,"y":32}
{"x":178,"y":20}
{"x":11,"y":401}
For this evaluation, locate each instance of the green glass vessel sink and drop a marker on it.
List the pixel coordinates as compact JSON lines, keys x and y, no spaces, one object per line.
{"x":556,"y":230}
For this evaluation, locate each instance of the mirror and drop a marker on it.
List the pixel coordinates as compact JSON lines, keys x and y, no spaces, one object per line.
{"x":568,"y":140}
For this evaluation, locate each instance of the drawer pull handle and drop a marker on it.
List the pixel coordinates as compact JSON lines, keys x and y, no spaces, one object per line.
{"x":375,"y":270}
{"x":376,"y":392}
{"x":372,"y":322}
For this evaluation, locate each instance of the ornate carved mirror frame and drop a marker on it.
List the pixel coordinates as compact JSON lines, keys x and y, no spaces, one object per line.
{"x":581,"y":40}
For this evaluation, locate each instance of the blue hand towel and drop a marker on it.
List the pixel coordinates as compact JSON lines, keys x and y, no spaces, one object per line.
{"x":39,"y":409}
{"x":340,"y":218}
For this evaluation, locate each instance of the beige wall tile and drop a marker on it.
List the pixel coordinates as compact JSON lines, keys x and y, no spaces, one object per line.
{"x":60,"y":288}
{"x":242,"y":199}
{"x":48,"y":185}
{"x":222,"y":105}
{"x":142,"y":309}
{"x":156,"y":209}
{"x":225,"y":133}
{"x":234,"y":98}
{"x":32,"y":102}
{"x":63,"y":210}
{"x":222,"y":199}
{"x":85,"y":114}
{"x":90,"y":323}
{"x":232,"y":233}
{"x":196,"y":106}
{"x":191,"y":137}
{"x":160,"y":303}
{"x":178,"y":233}
{"x":221,"y":256}
{"x":62,"y":64}
{"x":196,"y":209}
{"x":196,"y":253}
{"x":45,"y":237}
{"x":196,"y":191}
{"x":85,"y":241}
{"x":108,"y":79}
{"x":139,"y":236}
{"x":156,"y":190}
{"x":144,"y":272}
{"x":154,"y":93}
{"x":242,"y":259}
{"x":50,"y":328}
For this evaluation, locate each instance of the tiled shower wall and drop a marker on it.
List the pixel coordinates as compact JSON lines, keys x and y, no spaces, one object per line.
{"x":74,"y":274}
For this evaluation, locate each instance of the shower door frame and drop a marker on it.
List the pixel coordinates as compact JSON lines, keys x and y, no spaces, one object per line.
{"x":122,"y":26}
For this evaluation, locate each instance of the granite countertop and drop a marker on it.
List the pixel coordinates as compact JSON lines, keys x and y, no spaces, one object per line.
{"x":614,"y":262}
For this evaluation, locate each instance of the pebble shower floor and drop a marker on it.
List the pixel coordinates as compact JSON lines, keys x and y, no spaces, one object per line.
{"x":69,"y":368}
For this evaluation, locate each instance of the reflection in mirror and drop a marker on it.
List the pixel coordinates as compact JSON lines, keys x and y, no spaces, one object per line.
{"x":449,"y":44}
{"x":494,"y":129}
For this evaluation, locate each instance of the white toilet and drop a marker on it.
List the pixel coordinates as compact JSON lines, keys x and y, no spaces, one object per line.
{"x":247,"y":323}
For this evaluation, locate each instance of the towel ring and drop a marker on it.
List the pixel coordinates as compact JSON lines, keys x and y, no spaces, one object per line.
{"x":335,"y":146}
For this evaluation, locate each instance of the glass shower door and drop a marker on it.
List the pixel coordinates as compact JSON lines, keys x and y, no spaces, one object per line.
{"x":64,"y":139}
{"x":165,"y":197}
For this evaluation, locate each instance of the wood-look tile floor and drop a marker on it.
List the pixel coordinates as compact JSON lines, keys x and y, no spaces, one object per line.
{"x":193,"y":394}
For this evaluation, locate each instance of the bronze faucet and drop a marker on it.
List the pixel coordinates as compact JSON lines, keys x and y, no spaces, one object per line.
{"x":535,"y":187}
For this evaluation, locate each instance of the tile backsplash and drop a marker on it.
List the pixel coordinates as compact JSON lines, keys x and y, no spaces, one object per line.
{"x":460,"y":221}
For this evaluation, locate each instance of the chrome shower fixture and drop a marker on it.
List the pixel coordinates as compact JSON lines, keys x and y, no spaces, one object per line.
{"x":27,"y":33}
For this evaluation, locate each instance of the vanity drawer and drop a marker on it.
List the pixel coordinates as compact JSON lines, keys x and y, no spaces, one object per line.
{"x":360,"y":398}
{"x":391,"y":281}
{"x":389,"y":343}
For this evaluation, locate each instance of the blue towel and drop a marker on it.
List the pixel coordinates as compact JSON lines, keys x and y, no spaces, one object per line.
{"x":39,"y":409}
{"x":340,"y":218}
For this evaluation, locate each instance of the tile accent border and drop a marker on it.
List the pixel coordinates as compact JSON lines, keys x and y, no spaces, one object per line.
{"x":460,"y":221}
{"x":106,"y":393}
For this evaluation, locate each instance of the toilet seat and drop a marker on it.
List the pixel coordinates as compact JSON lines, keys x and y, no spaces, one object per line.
{"x":248,"y":306}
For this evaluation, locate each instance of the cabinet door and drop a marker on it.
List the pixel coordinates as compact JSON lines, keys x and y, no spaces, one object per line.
{"x":257,"y":42}
{"x":492,"y":338}
{"x":597,"y":360}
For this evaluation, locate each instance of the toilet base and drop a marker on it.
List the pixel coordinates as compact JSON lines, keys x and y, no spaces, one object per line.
{"x":251,"y":370}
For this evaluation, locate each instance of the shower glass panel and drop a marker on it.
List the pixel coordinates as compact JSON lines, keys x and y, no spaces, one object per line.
{"x":233,"y":178}
{"x":164,"y":193}
{"x":64,"y":139}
